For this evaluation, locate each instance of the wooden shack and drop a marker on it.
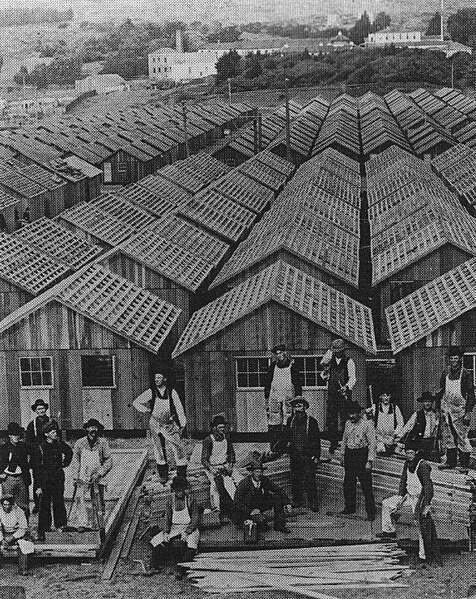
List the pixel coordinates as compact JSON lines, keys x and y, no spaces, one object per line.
{"x":33,"y":197}
{"x":425,"y":323}
{"x":85,"y":346}
{"x":225,"y":347}
{"x":10,"y":211}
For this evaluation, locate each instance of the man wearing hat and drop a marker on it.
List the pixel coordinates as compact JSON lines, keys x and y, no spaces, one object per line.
{"x":359,"y":446}
{"x":182,"y":521}
{"x":34,"y":436}
{"x":15,"y":476}
{"x":218,"y":459}
{"x":415,"y":490}
{"x":456,"y":396}
{"x":92,"y":460}
{"x":282,"y":383}
{"x":339,"y":372}
{"x":256,"y":494}
{"x":422,"y":428}
{"x":50,"y":458}
{"x":302,"y":440}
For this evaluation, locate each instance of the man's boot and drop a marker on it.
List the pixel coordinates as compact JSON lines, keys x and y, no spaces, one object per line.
{"x":22,"y":564}
{"x":182,"y":471}
{"x":464,"y":459}
{"x":163,"y":470}
{"x":451,"y":457}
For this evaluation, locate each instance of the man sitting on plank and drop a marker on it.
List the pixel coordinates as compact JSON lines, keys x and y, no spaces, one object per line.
{"x":13,"y":529}
{"x":218,"y":459}
{"x":256,"y":494}
{"x":416,"y":490}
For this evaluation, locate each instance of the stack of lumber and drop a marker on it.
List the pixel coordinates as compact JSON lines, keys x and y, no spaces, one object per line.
{"x":304,"y":571}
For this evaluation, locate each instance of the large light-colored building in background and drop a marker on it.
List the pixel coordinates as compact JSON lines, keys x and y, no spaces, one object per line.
{"x":169,"y":64}
{"x":101,"y":84}
{"x":385,"y":38}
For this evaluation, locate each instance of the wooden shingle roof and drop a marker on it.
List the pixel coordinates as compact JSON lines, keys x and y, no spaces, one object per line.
{"x":293,"y":289}
{"x":127,"y":212}
{"x":245,"y":191}
{"x":121,"y":306}
{"x":167,"y":258}
{"x":61,"y":244}
{"x":26,"y":267}
{"x":264,"y":174}
{"x":168,"y":191}
{"x":442,"y":300}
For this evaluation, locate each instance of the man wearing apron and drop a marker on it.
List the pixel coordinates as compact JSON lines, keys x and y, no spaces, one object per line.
{"x":218,"y":459}
{"x":457,"y":402}
{"x":416,"y":491}
{"x":283,"y":383}
{"x":182,"y":521}
{"x":92,"y":460}
{"x":167,"y":422}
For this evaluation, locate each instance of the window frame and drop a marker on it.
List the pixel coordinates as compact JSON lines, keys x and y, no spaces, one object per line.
{"x":472,"y":354}
{"x":322,"y":387}
{"x":50,"y":358}
{"x":114,"y":377}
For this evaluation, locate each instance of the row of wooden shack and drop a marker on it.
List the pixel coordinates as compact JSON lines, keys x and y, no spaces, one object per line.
{"x":214,"y":265}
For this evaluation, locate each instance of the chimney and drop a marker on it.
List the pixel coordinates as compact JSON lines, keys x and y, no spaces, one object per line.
{"x":178,"y":40}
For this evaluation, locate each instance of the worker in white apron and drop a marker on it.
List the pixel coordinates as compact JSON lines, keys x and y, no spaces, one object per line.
{"x":182,"y":520}
{"x":415,"y":491}
{"x":218,"y":460}
{"x":283,"y":383}
{"x":457,"y":403}
{"x":167,"y":422}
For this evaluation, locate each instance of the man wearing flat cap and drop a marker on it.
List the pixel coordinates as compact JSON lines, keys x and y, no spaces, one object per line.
{"x":302,"y":440}
{"x":456,"y":396}
{"x":92,"y":460}
{"x":283,"y":382}
{"x":339,"y":372}
{"x":15,"y":457}
{"x":34,"y":436}
{"x":50,"y":458}
{"x":256,"y":494}
{"x":422,"y":428}
{"x":218,"y":459}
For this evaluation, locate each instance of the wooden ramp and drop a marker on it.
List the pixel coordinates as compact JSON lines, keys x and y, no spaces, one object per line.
{"x":128,"y":466}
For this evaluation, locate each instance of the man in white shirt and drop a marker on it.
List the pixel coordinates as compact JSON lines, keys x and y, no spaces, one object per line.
{"x":388,"y":421}
{"x":339,"y":372}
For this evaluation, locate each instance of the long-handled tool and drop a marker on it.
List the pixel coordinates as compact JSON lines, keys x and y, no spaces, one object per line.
{"x":75,"y":489}
{"x":98,"y":509}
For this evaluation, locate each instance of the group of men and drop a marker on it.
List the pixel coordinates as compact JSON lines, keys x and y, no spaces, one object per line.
{"x":40,"y":451}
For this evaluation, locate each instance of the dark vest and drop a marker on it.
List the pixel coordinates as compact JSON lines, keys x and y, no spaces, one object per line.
{"x":418,"y":430}
{"x":339,"y":374}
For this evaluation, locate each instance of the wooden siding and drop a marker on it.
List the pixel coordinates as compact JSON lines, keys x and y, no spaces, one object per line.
{"x":11,"y":298}
{"x":210,"y":378}
{"x":63,"y":335}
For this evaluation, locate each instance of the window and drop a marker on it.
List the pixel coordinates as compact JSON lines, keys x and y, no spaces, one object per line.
{"x":251,"y":372}
{"x":36,"y":372}
{"x":469,"y":362}
{"x":122,"y":167}
{"x":98,"y":371}
{"x":310,"y":367}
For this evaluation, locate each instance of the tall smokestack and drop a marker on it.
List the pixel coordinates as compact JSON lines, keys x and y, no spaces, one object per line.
{"x":178,"y":40}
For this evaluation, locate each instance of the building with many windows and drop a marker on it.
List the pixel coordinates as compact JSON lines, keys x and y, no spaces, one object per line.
{"x":169,"y":64}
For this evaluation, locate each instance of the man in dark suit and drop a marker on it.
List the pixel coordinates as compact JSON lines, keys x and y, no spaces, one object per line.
{"x":15,"y":467}
{"x":256,"y":494}
{"x":302,"y":440}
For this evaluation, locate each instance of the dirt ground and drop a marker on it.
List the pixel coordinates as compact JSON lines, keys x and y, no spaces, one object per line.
{"x":74,"y":579}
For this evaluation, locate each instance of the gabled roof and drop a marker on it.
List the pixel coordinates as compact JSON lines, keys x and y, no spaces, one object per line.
{"x":430,"y":307}
{"x":112,"y":302}
{"x":293,"y":289}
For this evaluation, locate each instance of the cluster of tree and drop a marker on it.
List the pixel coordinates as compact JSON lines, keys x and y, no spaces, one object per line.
{"x":358,"y":66}
{"x":462,"y":26}
{"x":63,"y":70}
{"x":127,"y":64}
{"x":14,"y":16}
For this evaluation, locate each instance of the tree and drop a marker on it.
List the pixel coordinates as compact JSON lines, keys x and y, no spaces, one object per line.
{"x":360,"y":30}
{"x":228,"y":66}
{"x":434,"y":26}
{"x":462,"y":25}
{"x":126,"y":64}
{"x":381,"y":21}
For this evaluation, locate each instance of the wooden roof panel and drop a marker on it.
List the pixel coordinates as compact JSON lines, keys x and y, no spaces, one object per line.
{"x":292,"y":288}
{"x":127,"y":212}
